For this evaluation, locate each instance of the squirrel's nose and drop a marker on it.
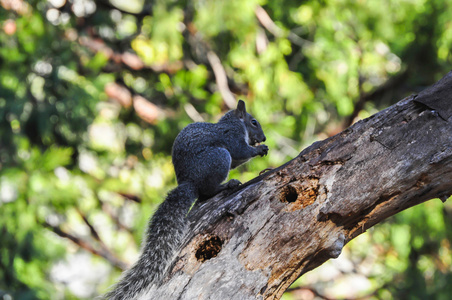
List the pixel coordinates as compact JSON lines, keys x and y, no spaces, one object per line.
{"x":264,"y":139}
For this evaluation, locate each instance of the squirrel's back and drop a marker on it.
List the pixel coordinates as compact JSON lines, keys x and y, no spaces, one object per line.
{"x":197,"y":148}
{"x":193,"y":138}
{"x":201,"y":154}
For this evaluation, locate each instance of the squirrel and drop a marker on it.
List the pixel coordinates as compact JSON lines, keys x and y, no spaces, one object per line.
{"x":202,"y":155}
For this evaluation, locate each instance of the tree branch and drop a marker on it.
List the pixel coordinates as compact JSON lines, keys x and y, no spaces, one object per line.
{"x":255,"y":242}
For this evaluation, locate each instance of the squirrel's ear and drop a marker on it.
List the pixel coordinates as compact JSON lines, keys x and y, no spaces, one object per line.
{"x":240,"y":111}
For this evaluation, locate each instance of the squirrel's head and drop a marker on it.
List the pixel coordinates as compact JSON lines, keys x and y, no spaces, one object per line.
{"x":253,"y":128}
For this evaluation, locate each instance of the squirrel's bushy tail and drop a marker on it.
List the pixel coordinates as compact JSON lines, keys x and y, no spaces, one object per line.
{"x":166,"y":229}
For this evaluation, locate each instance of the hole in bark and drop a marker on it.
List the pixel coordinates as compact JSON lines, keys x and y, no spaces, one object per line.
{"x":209,"y":248}
{"x":289,"y":194}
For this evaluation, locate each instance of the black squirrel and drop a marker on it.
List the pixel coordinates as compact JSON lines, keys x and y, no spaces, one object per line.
{"x":202,"y":155}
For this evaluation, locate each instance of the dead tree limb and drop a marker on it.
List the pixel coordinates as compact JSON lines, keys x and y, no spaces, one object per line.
{"x":254,"y":243}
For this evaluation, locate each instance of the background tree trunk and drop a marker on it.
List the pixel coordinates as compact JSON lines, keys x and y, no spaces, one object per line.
{"x":255,"y":242}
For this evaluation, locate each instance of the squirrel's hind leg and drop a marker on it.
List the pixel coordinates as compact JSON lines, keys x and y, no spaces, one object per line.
{"x":218,"y":161}
{"x":230,"y":185}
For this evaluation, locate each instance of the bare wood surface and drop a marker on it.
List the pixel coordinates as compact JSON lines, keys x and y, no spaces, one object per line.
{"x":254,"y":243}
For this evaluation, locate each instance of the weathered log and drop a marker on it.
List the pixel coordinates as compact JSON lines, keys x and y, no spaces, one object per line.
{"x":254,"y":243}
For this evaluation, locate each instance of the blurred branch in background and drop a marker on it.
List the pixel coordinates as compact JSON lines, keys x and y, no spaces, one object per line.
{"x":129,"y":59}
{"x":145,"y":109}
{"x":221,"y":79}
{"x":103,"y":252}
{"x":268,"y":24}
{"x":376,"y":95}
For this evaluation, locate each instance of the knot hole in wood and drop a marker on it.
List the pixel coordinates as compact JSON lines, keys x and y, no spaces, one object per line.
{"x":289,"y":194}
{"x":300,"y":194}
{"x":209,"y":248}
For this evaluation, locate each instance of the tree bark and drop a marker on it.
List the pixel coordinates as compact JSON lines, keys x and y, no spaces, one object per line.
{"x":253,"y":243}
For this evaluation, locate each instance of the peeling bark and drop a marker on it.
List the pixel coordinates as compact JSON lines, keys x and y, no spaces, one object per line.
{"x":253,"y":243}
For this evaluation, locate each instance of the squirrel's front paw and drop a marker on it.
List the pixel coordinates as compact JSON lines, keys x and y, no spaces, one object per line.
{"x":262,"y":150}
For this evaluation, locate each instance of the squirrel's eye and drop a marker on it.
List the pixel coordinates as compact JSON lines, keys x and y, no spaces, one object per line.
{"x":254,"y":122}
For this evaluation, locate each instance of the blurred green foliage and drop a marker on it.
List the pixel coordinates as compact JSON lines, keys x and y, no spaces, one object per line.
{"x":82,"y":166}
